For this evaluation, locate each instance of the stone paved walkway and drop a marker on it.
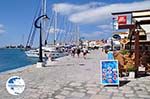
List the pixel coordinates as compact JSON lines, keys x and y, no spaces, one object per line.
{"x":73,"y":78}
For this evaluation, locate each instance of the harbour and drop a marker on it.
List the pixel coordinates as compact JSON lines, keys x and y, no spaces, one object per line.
{"x":51,"y":49}
{"x":14,"y":58}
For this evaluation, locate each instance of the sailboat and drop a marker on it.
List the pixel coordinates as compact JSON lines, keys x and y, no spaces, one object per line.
{"x":48,"y":50}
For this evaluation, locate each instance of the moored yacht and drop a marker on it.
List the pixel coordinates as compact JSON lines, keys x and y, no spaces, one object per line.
{"x":49,"y":51}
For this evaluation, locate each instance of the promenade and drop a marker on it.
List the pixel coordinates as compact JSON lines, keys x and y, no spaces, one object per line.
{"x":73,"y":78}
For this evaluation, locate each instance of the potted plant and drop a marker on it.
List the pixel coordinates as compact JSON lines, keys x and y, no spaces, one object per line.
{"x":124,"y":52}
{"x":131,"y":71}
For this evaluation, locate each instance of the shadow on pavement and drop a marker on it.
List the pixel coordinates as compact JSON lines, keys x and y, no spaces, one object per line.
{"x":122,"y":83}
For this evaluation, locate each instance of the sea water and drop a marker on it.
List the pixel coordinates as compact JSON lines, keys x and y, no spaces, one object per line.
{"x":11,"y":59}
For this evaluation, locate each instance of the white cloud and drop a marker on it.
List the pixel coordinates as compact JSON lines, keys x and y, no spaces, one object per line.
{"x":102,"y":13}
{"x":97,"y":13}
{"x":51,"y":30}
{"x":105,"y":26}
{"x":95,"y":34}
{"x":1,"y":25}
{"x":67,"y":8}
{"x":2,"y":30}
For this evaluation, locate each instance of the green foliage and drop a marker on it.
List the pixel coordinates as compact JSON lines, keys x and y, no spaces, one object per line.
{"x":124,"y":52}
{"x":131,"y":69}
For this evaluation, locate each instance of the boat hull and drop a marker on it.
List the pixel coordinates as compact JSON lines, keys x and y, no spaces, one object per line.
{"x":35,"y":54}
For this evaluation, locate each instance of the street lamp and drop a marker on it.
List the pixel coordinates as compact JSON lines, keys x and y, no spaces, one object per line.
{"x":40,"y":41}
{"x":112,"y":45}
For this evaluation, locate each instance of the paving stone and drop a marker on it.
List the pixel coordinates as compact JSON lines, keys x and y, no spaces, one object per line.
{"x":142,"y":92}
{"x":80,"y":87}
{"x":91,"y":82}
{"x":125,"y":88}
{"x":127,"y":92}
{"x":144,"y":96}
{"x":46,"y":91}
{"x":27,"y":97}
{"x":130,"y":95}
{"x":60,"y":97}
{"x":69,"y":89}
{"x":77,"y":94}
{"x":104,"y":90}
{"x":148,"y":91}
{"x":94,"y":89}
{"x":75,"y":84}
{"x":50,"y":94}
{"x":65,"y":93}
{"x":101,"y":87}
{"x":82,"y":90}
{"x":99,"y":97}
{"x":91,"y":85}
{"x":143,"y":79}
{"x":112,"y":90}
{"x":142,"y":85}
{"x":72,"y":98}
{"x":32,"y":96}
{"x":139,"y":88}
{"x":105,"y":93}
{"x":148,"y":88}
{"x":56,"y":88}
{"x":89,"y":88}
{"x":92,"y":92}
{"x":135,"y":98}
{"x":118,"y":94}
{"x":44,"y":96}
{"x":32,"y":90}
{"x":118,"y":97}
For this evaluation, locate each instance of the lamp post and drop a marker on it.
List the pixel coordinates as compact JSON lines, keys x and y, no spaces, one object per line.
{"x":112,"y":46}
{"x":39,"y":64}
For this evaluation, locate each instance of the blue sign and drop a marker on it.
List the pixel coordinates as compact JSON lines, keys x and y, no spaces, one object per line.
{"x":109,"y":72}
{"x":110,"y":55}
{"x":117,"y":36}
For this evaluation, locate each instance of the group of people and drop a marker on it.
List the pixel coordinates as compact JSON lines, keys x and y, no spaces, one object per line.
{"x":78,"y":52}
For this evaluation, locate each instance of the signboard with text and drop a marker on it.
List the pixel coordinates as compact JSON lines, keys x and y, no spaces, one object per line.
{"x":109,"y":73}
{"x":122,"y":20}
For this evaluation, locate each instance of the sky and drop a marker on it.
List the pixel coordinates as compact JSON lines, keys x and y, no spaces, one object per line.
{"x":93,"y":16}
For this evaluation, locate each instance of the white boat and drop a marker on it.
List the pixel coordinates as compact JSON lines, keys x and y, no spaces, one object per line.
{"x":52,"y":51}
{"x":49,"y":51}
{"x":32,"y":53}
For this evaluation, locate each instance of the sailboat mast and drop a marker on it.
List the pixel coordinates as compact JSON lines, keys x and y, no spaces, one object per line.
{"x":55,"y":27}
{"x":23,"y":39}
{"x":43,"y":12}
{"x":77,"y":35}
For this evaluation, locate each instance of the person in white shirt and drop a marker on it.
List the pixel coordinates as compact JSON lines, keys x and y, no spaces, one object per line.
{"x":84,"y":52}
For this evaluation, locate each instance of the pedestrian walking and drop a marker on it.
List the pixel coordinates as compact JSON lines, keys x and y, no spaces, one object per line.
{"x":73,"y":52}
{"x":78,"y":52}
{"x":45,"y":57}
{"x":51,"y":57}
{"x":85,"y":51}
